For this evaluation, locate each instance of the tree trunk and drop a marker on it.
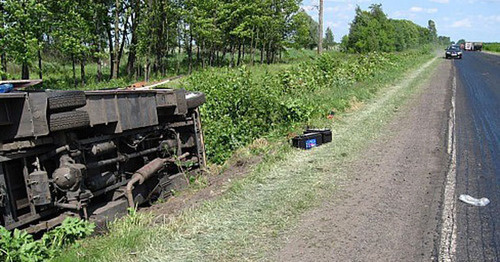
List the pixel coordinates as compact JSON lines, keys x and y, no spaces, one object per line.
{"x":4,"y":66}
{"x":179,"y":38}
{"x":239,"y":54}
{"x":224,"y":52}
{"x":74,"y":70}
{"x":3,"y":56}
{"x":262,"y":53}
{"x":40,"y":70}
{"x":99,"y":70}
{"x":203,"y":54}
{"x":268,"y":56}
{"x":233,"y":50}
{"x":122,"y":45}
{"x":117,"y":40}
{"x":111,"y":53}
{"x":190,"y":52}
{"x":82,"y":70}
{"x":25,"y":74}
{"x":243,"y":53}
{"x":197,"y":53}
{"x":251,"y":46}
{"x":133,"y":43}
{"x":146,"y":70}
{"x":254,"y":47}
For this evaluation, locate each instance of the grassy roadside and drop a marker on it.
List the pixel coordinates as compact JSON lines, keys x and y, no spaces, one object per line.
{"x":247,"y":222}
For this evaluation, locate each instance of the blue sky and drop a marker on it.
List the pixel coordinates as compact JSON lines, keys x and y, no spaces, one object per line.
{"x":472,"y":20}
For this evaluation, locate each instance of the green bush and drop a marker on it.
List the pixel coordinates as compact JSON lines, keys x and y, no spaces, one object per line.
{"x":244,"y":104}
{"x":494,"y":47}
{"x":20,"y":246}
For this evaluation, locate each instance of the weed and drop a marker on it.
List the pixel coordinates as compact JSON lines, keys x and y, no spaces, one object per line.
{"x":21,"y":246}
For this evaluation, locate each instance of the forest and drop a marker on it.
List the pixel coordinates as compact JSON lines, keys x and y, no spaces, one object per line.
{"x":75,"y":42}
{"x":137,"y":38}
{"x":372,"y":31}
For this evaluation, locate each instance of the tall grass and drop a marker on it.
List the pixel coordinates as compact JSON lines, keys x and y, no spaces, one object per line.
{"x":57,"y":73}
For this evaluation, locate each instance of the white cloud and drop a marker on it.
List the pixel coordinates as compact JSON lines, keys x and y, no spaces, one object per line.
{"x":309,"y":7}
{"x":418,"y":9}
{"x":441,"y":1}
{"x":489,"y":19}
{"x":466,"y":22}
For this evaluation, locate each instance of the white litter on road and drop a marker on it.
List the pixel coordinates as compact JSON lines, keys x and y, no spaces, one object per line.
{"x":474,"y":201}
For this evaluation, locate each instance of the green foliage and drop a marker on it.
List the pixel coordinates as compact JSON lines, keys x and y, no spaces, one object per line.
{"x":372,"y":31}
{"x":433,"y":37}
{"x":306,"y":30}
{"x":494,"y":47}
{"x":328,"y":41}
{"x":160,"y":35}
{"x":244,"y":104}
{"x":20,"y":246}
{"x":23,"y":23}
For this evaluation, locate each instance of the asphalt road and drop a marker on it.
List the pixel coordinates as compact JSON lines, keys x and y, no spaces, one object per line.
{"x":478,"y":162}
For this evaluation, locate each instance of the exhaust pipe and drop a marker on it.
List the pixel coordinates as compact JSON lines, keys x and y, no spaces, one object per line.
{"x":146,"y":172}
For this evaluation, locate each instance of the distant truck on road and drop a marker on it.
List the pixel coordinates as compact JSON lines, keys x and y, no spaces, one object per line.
{"x":468,"y":46}
{"x":478,"y":46}
{"x":473,"y":46}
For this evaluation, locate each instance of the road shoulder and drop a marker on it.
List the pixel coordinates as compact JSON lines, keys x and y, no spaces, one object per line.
{"x":388,"y":206}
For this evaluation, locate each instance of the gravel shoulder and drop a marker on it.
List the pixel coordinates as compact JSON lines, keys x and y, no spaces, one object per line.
{"x":387,"y":208}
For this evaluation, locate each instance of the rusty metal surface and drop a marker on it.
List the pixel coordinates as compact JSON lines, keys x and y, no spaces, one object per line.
{"x":22,"y":83}
{"x":126,"y":110}
{"x":23,"y":115}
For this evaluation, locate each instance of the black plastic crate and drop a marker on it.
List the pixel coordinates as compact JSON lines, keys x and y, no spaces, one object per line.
{"x":325,"y":133}
{"x":307,"y":141}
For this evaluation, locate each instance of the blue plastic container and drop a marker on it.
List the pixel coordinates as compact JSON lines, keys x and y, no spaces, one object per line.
{"x":6,"y":88}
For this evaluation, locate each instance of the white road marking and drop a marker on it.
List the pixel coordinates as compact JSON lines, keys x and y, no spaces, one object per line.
{"x":449,"y":228}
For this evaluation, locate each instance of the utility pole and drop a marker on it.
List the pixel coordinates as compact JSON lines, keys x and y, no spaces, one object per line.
{"x":320,"y":39}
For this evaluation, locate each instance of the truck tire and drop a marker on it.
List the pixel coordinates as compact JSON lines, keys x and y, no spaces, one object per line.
{"x":68,"y":120}
{"x":195,"y":99}
{"x":65,"y":100}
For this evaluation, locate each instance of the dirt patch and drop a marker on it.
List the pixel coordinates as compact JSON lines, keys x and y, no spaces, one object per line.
{"x":215,"y":185}
{"x":388,"y":206}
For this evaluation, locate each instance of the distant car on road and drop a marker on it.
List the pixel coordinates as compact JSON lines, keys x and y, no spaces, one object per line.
{"x":453,"y":52}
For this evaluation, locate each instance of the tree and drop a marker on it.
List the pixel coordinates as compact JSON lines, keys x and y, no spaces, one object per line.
{"x":3,"y":44}
{"x":150,"y":32}
{"x":432,"y":31}
{"x":328,"y":42}
{"x":373,"y":31}
{"x":72,"y":30}
{"x":305,"y":31}
{"x":23,"y":21}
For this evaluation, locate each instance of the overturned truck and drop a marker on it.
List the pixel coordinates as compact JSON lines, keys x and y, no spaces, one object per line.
{"x":93,"y":154}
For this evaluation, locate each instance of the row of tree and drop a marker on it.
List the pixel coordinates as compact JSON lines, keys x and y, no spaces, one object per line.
{"x":146,"y":33}
{"x":372,"y":31}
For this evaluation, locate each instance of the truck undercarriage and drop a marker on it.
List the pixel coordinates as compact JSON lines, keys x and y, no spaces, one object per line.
{"x":92,"y":154}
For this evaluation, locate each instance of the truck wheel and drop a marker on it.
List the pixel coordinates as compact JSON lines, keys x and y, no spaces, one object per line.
{"x":195,"y":99}
{"x":68,"y":120}
{"x":65,"y":100}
